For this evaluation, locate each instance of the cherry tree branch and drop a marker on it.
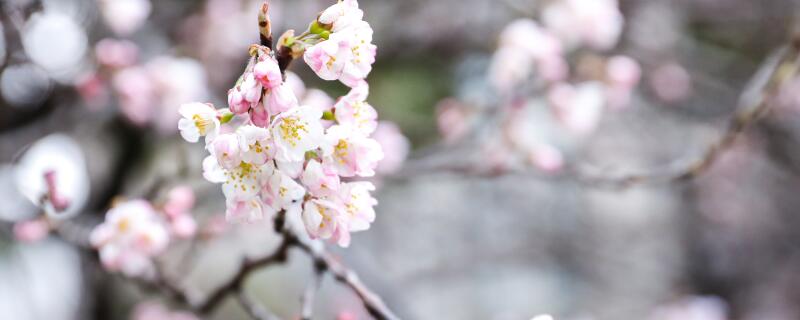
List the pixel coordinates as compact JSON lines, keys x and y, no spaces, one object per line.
{"x":307,"y":310}
{"x":252,"y":307}
{"x":324,"y":262}
{"x":754,"y":103}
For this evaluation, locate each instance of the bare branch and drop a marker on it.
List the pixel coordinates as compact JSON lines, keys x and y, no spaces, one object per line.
{"x":754,"y":104}
{"x":252,"y":307}
{"x":248,"y":266}
{"x":265,"y":25}
{"x":372,"y":302}
{"x":310,"y":292}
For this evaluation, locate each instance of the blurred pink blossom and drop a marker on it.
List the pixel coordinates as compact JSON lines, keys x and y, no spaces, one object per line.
{"x":136,"y":94}
{"x":580,"y":107}
{"x":183,"y":226}
{"x":93,"y":90}
{"x":31,"y":230}
{"x":156,"y":311}
{"x":671,"y":83}
{"x":692,"y":308}
{"x":452,"y":119}
{"x":547,"y":158}
{"x":54,"y":170}
{"x":125,"y":16}
{"x":525,"y":46}
{"x":622,"y":76}
{"x":116,"y":53}
{"x":131,"y":235}
{"x":594,"y":23}
{"x":394,"y":144}
{"x":346,"y":315}
{"x":179,"y":200}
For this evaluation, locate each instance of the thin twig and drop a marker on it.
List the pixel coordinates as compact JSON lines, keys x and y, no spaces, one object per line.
{"x":252,"y":307}
{"x":248,"y":266}
{"x":307,"y":309}
{"x":753,"y":105}
{"x":372,"y":301}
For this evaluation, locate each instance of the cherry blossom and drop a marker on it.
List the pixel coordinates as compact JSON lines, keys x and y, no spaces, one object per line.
{"x":395,"y":147}
{"x":180,"y":201}
{"x":226,"y":148}
{"x":578,"y":107}
{"x":350,"y":153}
{"x":325,"y":219}
{"x":353,"y":110}
{"x":245,"y":95}
{"x":268,"y":73}
{"x":296,"y":132}
{"x":249,"y":210}
{"x":116,"y":53}
{"x":280,"y":99}
{"x":623,"y":75}
{"x":283,"y":147}
{"x":155,"y":311}
{"x":131,"y":235}
{"x":53,"y":175}
{"x":281,"y":191}
{"x":358,"y":204}
{"x":125,"y":16}
{"x":347,"y":55}
{"x":320,"y":181}
{"x":31,"y":230}
{"x":255,"y":145}
{"x":671,"y":83}
{"x":341,"y":15}
{"x":595,"y":23}
{"x":199,"y":119}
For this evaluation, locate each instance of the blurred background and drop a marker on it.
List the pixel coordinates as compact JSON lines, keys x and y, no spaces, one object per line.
{"x":93,"y":87}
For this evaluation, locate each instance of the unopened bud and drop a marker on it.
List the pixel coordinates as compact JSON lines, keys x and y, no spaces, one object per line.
{"x":265,"y":25}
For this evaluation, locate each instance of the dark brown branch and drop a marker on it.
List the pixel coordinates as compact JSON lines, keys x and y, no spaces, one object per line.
{"x":372,"y":302}
{"x":235,"y":283}
{"x":265,"y":25}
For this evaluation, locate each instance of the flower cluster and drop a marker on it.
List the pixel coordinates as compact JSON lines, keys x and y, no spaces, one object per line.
{"x":557,"y":62}
{"x":347,"y":53}
{"x":147,"y":92}
{"x":281,"y":147}
{"x":135,"y":231}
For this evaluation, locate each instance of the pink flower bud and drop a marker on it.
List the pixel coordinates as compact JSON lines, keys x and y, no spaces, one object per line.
{"x":57,"y":200}
{"x":179,"y":200}
{"x":31,"y":231}
{"x":236,"y":102}
{"x":671,"y":83}
{"x":268,"y":73}
{"x":451,"y":116}
{"x":244,"y":96}
{"x":346,"y":315}
{"x":116,"y":53}
{"x":259,"y":116}
{"x":280,"y":99}
{"x":623,"y":71}
{"x":184,"y":226}
{"x":547,"y":158}
{"x":394,"y":144}
{"x":215,"y":226}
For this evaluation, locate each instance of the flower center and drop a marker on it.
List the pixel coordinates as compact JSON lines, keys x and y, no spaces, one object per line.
{"x":201,"y":124}
{"x":290,"y":130}
{"x":341,"y":150}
